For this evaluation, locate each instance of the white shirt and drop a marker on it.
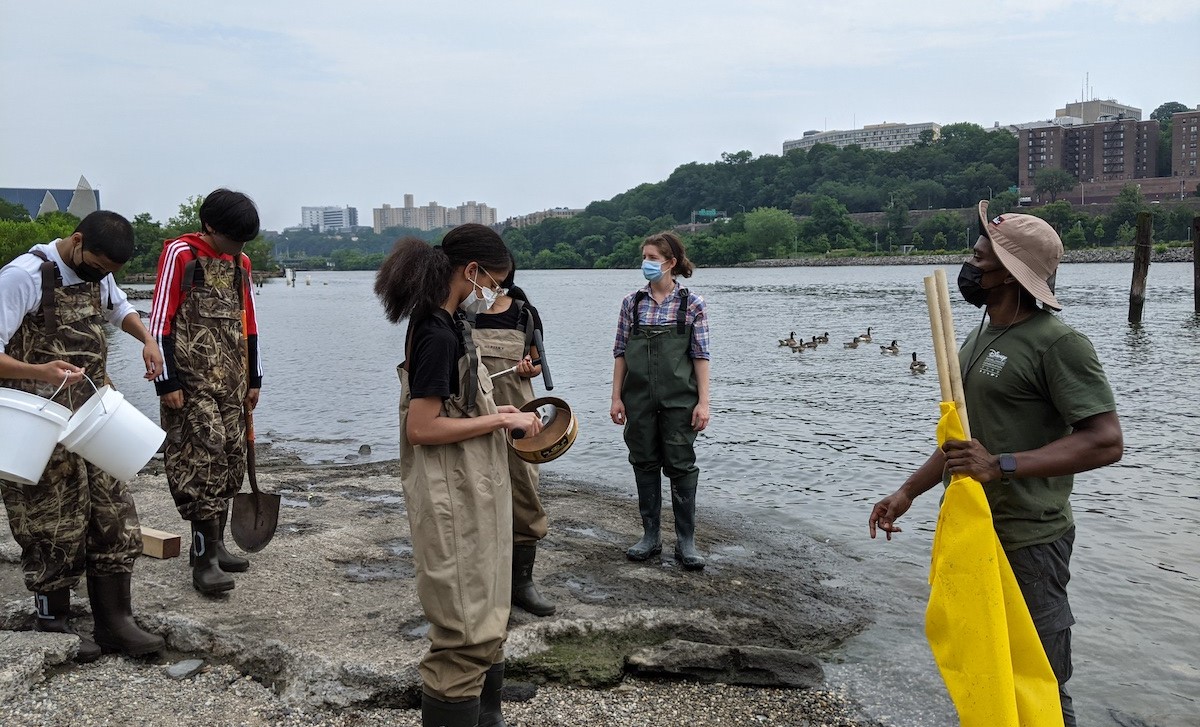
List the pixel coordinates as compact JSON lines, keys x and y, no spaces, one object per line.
{"x":21,"y":291}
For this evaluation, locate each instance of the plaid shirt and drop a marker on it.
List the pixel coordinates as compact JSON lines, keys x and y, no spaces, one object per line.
{"x":660,"y":314}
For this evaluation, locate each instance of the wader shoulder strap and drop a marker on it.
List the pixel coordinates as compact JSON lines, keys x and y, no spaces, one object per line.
{"x":193,"y":274}
{"x":239,"y":279}
{"x":464,"y":332}
{"x":51,"y":279}
{"x":525,"y":323}
{"x":681,"y":319}
{"x":637,"y":303}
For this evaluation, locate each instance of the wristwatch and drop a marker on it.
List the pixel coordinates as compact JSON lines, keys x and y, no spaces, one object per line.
{"x":1008,"y":465}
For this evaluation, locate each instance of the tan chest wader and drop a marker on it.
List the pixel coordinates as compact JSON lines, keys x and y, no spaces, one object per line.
{"x":659,"y":393}
{"x":205,"y":453}
{"x":459,"y":504}
{"x":78,"y":517}
{"x":501,"y":349}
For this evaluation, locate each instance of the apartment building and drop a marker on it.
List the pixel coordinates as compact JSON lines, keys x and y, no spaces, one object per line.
{"x":1185,"y":135}
{"x":329,"y":219}
{"x":885,"y":137}
{"x":1106,"y":151}
{"x":431,"y":216}
{"x":534,"y":218}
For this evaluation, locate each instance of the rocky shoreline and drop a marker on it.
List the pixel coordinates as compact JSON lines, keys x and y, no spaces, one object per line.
{"x":1095,"y":255}
{"x":326,"y":630}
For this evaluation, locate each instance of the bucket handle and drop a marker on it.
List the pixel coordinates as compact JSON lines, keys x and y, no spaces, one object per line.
{"x":60,"y":388}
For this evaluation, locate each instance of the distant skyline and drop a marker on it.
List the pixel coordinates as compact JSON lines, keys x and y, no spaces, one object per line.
{"x":526,"y":106}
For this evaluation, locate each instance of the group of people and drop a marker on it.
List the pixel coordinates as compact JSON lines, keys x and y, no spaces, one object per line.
{"x":1041,"y":409}
{"x":200,"y":351}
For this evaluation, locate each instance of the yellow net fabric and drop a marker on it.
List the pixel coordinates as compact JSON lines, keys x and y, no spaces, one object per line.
{"x":977,"y":623}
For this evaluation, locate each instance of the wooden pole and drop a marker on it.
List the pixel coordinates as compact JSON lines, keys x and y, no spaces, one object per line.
{"x":950,"y":342}
{"x":1196,"y":261}
{"x":1141,"y":265}
{"x":939,"y":341}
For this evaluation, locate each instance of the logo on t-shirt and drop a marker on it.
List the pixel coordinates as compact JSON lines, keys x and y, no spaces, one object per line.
{"x":993,"y":363}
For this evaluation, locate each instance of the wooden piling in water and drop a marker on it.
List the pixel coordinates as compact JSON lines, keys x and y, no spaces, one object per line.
{"x":1141,"y":265}
{"x":1196,"y":261}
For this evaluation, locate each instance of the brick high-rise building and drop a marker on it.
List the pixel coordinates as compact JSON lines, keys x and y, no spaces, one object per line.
{"x":1185,"y":136}
{"x":1106,"y":151}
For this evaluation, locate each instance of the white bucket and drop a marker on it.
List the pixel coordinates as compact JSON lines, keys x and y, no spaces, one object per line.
{"x":29,"y":428}
{"x":112,"y":434}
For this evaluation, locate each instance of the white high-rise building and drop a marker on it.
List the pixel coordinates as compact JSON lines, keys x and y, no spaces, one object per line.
{"x":885,"y":137}
{"x":431,"y":216}
{"x":329,"y":219}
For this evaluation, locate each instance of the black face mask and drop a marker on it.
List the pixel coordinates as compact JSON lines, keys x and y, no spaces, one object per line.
{"x":970,"y":284}
{"x":88,"y":273}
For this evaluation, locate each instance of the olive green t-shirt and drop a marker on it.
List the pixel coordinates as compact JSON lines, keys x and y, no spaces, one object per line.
{"x":1025,"y":386}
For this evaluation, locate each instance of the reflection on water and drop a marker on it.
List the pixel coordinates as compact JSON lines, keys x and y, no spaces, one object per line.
{"x":806,"y":442}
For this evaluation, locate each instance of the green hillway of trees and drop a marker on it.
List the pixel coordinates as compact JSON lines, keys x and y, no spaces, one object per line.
{"x":760,"y":199}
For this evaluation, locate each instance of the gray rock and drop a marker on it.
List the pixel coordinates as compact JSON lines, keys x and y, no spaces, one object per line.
{"x":186,"y":668}
{"x":748,"y":665}
{"x":25,"y":655}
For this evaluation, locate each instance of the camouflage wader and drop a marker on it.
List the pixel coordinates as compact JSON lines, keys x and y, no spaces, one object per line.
{"x":500,"y":349}
{"x":77,"y":516}
{"x":206,"y":439}
{"x":460,"y":516}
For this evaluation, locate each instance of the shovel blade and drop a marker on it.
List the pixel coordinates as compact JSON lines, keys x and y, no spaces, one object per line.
{"x":253,"y":520}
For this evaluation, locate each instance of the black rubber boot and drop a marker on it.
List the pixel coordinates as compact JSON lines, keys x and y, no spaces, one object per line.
{"x":207,"y":576}
{"x":649,"y":486}
{"x":489,"y":699}
{"x":228,"y":562}
{"x":683,"y":502}
{"x":53,"y":616}
{"x":524,"y":593}
{"x":112,"y":610}
{"x":436,"y":713}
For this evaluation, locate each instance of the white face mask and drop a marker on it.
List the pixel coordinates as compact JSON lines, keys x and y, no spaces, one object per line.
{"x":480,"y":300}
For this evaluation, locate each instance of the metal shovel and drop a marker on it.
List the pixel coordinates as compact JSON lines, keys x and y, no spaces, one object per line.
{"x":255,"y":513}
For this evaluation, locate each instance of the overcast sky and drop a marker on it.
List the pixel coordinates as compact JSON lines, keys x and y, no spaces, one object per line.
{"x":525,"y":105}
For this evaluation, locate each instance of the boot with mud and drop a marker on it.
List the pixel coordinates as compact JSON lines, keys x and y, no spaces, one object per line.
{"x":524,"y":593}
{"x":489,"y":700}
{"x":112,"y":610}
{"x":53,"y":616}
{"x":436,"y":713}
{"x":649,"y":486}
{"x":207,"y":576}
{"x":229,"y":562}
{"x":683,"y":503}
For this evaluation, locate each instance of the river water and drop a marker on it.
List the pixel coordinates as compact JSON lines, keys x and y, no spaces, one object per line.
{"x":803,"y":444}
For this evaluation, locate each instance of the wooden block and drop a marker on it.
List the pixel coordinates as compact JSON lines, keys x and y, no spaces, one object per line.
{"x":159,"y":544}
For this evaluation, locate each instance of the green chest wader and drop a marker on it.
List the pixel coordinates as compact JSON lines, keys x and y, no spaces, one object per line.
{"x":459,"y":505}
{"x":77,"y":517}
{"x":660,"y":393}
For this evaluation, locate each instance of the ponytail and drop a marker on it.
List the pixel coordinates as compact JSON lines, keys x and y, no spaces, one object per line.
{"x":414,"y":280}
{"x":671,"y":246}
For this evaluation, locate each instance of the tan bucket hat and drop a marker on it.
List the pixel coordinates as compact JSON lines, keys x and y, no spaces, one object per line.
{"x":1029,"y":249}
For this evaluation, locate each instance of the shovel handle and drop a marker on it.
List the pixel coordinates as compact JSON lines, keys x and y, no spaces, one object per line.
{"x":537,"y":341}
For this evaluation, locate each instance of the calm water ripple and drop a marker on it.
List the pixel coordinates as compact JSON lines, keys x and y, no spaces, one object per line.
{"x":806,"y":442}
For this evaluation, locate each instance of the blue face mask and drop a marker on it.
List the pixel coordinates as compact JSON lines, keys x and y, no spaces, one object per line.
{"x":652,"y":270}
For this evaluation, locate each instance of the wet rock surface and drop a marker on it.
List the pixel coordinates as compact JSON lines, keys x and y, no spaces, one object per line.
{"x":326,"y":623}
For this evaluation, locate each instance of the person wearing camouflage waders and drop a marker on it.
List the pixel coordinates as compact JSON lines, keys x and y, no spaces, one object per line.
{"x":660,"y":394}
{"x":504,"y":336}
{"x":54,"y":301}
{"x":200,"y":296}
{"x":453,"y":468}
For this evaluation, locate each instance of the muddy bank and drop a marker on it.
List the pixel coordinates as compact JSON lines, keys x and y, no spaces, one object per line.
{"x":327,"y":618}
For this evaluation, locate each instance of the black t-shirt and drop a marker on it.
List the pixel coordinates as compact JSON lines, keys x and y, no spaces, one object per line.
{"x":508,"y":320}
{"x":433,"y":365}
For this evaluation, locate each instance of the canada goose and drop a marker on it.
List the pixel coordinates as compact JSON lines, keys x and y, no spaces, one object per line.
{"x":823,"y":338}
{"x":866,"y":337}
{"x":810,"y":344}
{"x":789,"y":340}
{"x":852,"y":344}
{"x":917,"y":367}
{"x":892,"y":349}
